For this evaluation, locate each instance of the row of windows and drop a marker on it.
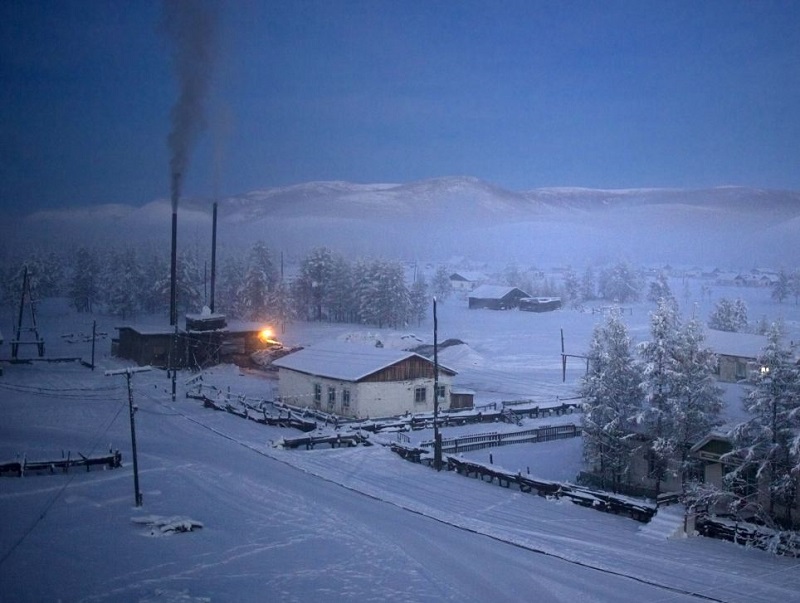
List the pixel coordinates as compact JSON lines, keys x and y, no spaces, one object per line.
{"x":421,"y":394}
{"x":345,"y":396}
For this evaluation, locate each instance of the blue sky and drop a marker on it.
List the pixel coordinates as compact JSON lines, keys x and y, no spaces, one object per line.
{"x":523,"y":94}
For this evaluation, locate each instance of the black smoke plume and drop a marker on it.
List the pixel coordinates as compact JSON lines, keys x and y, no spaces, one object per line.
{"x":191,"y":26}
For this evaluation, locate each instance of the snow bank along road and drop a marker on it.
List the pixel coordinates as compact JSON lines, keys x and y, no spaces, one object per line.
{"x":347,"y":524}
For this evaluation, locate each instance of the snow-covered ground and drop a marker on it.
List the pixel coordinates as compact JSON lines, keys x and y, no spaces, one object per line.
{"x":339,"y":525}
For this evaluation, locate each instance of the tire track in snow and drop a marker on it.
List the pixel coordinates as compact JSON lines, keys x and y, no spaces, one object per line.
{"x":670,"y":589}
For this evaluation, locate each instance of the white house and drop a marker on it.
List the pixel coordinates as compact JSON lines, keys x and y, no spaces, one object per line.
{"x":466,"y":281}
{"x":361,"y":381}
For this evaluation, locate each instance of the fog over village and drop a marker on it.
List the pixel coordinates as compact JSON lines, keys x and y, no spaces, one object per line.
{"x":396,"y":301}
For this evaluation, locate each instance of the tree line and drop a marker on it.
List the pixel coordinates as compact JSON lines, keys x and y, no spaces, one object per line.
{"x":129,"y":282}
{"x":661,"y":397}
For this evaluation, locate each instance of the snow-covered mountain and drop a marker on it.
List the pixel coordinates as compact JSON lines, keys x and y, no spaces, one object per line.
{"x":465,"y":216}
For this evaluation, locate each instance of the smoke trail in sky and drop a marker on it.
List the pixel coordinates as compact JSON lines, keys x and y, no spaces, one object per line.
{"x":191,"y":26}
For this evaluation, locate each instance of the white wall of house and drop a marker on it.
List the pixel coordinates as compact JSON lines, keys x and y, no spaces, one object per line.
{"x":367,"y":399}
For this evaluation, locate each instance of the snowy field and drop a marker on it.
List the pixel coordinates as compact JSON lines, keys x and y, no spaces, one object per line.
{"x":357,"y":524}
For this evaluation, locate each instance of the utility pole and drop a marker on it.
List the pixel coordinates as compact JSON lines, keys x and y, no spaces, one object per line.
{"x":128,"y":372}
{"x":94,"y":337}
{"x":437,"y":437}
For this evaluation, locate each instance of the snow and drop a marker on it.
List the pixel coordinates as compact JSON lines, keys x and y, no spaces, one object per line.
{"x":491,"y":291}
{"x":349,"y":524}
{"x":344,"y":361}
{"x":742,"y":345}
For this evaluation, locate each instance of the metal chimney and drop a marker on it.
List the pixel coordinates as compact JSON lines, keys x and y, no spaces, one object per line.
{"x":173,"y":306}
{"x":213,"y":256}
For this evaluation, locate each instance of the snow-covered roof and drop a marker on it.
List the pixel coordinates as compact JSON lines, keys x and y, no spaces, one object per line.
{"x":494,"y":292}
{"x":151,"y":329}
{"x":466,"y":275}
{"x":346,"y":361}
{"x":741,"y":345}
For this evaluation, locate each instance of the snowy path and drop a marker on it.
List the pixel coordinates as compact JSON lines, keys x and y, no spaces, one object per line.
{"x":341,"y":525}
{"x":275,"y":533}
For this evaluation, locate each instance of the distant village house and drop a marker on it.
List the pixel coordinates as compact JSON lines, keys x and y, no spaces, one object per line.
{"x":466,"y":281}
{"x":496,"y":297}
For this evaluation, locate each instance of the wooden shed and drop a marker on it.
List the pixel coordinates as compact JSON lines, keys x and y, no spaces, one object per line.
{"x":540,"y":304}
{"x":496,"y":297}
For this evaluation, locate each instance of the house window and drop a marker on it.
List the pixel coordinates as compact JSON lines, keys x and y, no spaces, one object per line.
{"x":741,"y":369}
{"x":331,"y":397}
{"x":317,"y":394}
{"x":420,"y":395}
{"x":440,"y":392}
{"x":345,"y":398}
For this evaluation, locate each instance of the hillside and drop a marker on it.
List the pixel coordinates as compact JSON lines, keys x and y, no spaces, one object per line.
{"x":464,"y":216}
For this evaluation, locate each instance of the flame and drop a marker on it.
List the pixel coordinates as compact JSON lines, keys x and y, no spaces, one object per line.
{"x":266,"y":334}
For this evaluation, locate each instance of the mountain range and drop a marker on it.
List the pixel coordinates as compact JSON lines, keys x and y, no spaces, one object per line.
{"x":440,"y":218}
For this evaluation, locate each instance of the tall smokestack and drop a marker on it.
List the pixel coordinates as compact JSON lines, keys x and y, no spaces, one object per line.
{"x":191,"y":27}
{"x":173,"y":265}
{"x":213,"y":254}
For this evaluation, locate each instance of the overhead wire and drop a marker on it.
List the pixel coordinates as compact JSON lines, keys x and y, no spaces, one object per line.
{"x":60,"y":492}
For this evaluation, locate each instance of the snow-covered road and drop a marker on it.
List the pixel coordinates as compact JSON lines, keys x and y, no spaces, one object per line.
{"x":346,"y":524}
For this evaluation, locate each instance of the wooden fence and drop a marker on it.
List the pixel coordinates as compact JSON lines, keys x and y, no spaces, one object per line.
{"x":491,"y":440}
{"x":112,"y":460}
{"x":601,"y":501}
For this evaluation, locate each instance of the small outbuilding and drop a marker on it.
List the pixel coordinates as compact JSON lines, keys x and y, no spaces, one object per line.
{"x":361,"y":381}
{"x":736,"y":353}
{"x":206,"y":340}
{"x":466,"y":281}
{"x":496,"y":297}
{"x":540,"y":304}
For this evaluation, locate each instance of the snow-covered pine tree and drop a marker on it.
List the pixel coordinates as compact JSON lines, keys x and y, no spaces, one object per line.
{"x":620,"y":283}
{"x":440,"y":285}
{"x":281,"y":308}
{"x":339,"y":297}
{"x":659,"y":288}
{"x":659,"y":371}
{"x":260,"y":279}
{"x":152,"y":297}
{"x":588,"y":289}
{"x":190,"y":282}
{"x":612,"y":399}
{"x":84,"y":287}
{"x":728,"y":315}
{"x":418,"y":299}
{"x":781,"y":288}
{"x":314,"y":286}
{"x":764,"y":445}
{"x":231,"y":277}
{"x":794,"y":286}
{"x":696,"y":396}
{"x":572,"y":287}
{"x":121,"y":281}
{"x":384,"y":297}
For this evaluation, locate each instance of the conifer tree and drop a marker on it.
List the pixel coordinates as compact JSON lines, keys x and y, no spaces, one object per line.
{"x":418,"y":299}
{"x":441,"y":285}
{"x":84,"y":286}
{"x":660,"y":373}
{"x":764,"y":446}
{"x":612,"y":400}
{"x":728,"y":315}
{"x":122,"y":279}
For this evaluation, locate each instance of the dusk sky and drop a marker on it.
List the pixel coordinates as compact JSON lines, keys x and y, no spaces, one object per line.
{"x":522,"y":94}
